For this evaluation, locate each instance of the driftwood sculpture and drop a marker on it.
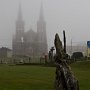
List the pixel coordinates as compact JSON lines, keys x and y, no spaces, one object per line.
{"x":65,"y":80}
{"x":64,"y":39}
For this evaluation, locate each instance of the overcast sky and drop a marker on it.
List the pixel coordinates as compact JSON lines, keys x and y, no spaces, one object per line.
{"x":73,"y":16}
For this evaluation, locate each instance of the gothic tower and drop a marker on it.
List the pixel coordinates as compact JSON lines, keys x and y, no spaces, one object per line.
{"x":41,"y":31}
{"x":18,"y":40}
{"x":19,"y":25}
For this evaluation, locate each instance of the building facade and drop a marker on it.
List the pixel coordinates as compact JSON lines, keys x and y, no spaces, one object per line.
{"x":30,"y":43}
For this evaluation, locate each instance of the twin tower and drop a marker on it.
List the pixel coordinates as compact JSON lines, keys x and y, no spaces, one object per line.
{"x":30,"y":43}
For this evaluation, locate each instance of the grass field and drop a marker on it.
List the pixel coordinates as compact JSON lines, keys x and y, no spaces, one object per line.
{"x":82,"y":72}
{"x":39,"y":78}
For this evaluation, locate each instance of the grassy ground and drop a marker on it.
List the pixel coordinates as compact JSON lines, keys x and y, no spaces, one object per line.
{"x":82,"y":72}
{"x":39,"y":78}
{"x":26,"y":78}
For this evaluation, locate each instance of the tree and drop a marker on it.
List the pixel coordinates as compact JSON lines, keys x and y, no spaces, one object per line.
{"x":51,"y":54}
{"x":77,"y":55}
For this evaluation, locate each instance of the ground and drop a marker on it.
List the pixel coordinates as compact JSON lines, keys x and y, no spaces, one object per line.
{"x":39,"y":77}
{"x":82,"y":72}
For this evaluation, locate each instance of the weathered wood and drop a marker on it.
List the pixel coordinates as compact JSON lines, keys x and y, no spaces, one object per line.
{"x":64,"y":39}
{"x":65,"y":79}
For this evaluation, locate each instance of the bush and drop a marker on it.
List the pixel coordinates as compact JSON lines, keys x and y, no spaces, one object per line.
{"x":77,"y":55}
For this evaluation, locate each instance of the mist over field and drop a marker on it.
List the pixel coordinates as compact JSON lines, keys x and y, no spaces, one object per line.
{"x":73,"y":16}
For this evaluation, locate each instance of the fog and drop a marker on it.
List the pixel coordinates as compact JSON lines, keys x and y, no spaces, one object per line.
{"x":73,"y":16}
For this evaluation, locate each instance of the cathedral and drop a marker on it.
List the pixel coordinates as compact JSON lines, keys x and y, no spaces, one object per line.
{"x":30,"y":43}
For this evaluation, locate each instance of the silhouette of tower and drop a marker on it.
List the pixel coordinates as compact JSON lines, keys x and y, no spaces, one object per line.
{"x":30,"y":43}
{"x":19,"y":24}
{"x":18,"y":40}
{"x":41,"y":33}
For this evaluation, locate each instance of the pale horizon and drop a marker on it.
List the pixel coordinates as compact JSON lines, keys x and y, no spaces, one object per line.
{"x":71,"y":16}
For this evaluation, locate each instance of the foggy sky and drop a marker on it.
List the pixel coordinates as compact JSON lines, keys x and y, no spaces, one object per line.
{"x":73,"y":16}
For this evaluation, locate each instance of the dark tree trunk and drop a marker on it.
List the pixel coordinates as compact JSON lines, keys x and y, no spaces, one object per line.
{"x":65,"y":80}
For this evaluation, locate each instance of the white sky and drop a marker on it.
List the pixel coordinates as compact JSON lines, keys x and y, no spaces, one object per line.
{"x":73,"y":16}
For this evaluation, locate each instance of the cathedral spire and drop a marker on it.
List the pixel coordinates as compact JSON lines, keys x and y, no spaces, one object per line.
{"x":20,"y":22}
{"x":20,"y":12}
{"x":41,"y":17}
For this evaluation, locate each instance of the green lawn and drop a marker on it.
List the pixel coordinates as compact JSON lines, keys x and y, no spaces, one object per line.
{"x":39,"y":78}
{"x":26,"y":78}
{"x":82,"y":72}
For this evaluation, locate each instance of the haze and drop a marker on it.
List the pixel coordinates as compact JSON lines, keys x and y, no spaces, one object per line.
{"x":73,"y":16}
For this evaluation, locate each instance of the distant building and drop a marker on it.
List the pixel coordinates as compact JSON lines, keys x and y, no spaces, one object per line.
{"x":88,"y":49}
{"x":5,"y":52}
{"x":79,"y":48}
{"x":30,"y":43}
